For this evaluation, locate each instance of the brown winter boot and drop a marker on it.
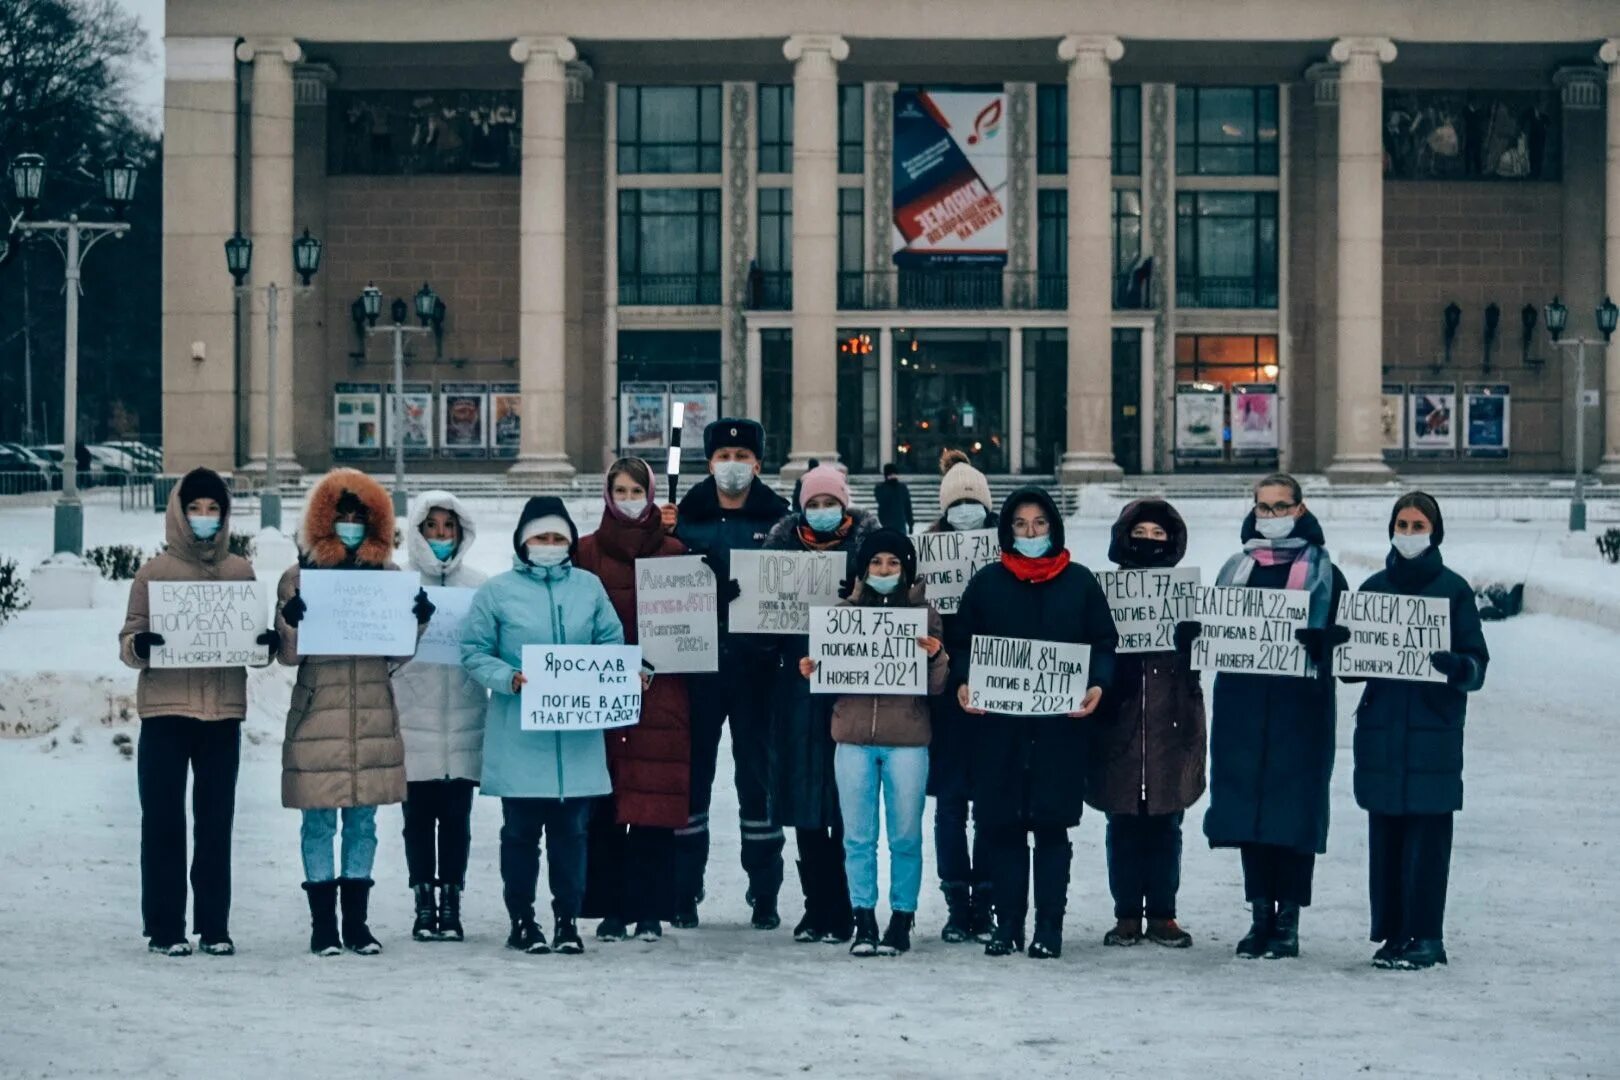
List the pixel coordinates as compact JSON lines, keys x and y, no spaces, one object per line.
{"x":1166,"y":932}
{"x":1125,"y":932}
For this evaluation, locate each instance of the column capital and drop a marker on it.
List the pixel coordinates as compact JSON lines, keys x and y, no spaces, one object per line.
{"x":1609,"y":53}
{"x":248,"y":50}
{"x":544,"y":56}
{"x":1580,"y":86}
{"x":834,"y":45}
{"x":578,"y":73}
{"x":311,"y":81}
{"x":1360,"y":57}
{"x":1324,"y":79}
{"x":1091,"y":53}
{"x":199,"y":59}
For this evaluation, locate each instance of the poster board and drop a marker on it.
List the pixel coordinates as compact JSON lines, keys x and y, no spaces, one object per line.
{"x":1200,"y":421}
{"x":207,"y":624}
{"x":780,"y":587}
{"x":1020,"y":677}
{"x":1147,"y":604}
{"x":1431,"y":420}
{"x":702,"y":408}
{"x":1391,"y":636}
{"x":358,"y":613}
{"x":947,"y":561}
{"x":644,"y":417}
{"x":1392,"y":420}
{"x":950,"y":178}
{"x":580,"y":687}
{"x":1487,"y":419}
{"x":356,"y":421}
{"x":418,"y":398}
{"x":868,"y":650}
{"x":1256,"y":420}
{"x":506,"y":419}
{"x":676,"y":614}
{"x":1251,"y":631}
{"x":463,"y":419}
{"x":441,"y":641}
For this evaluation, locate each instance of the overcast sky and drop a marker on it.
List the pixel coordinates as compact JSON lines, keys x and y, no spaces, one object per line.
{"x":147,"y":79}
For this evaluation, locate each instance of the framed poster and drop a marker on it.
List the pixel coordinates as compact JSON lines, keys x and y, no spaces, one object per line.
{"x":644,"y":416}
{"x":702,"y":408}
{"x":1393,"y":421}
{"x":506,"y":423}
{"x":356,"y":421}
{"x":1200,"y":420}
{"x":463,"y":419}
{"x":1431,"y":430}
{"x":1256,"y":425}
{"x":1487,"y":419}
{"x":950,"y":177}
{"x":418,"y":398}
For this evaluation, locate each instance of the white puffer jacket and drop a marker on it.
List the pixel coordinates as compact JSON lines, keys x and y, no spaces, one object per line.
{"x":441,"y":707}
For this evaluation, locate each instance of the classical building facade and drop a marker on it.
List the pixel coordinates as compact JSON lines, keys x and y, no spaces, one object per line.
{"x":1076,"y":239}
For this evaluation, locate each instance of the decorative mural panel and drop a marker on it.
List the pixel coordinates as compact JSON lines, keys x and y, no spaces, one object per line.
{"x":1471,"y":135}
{"x":405,"y":132}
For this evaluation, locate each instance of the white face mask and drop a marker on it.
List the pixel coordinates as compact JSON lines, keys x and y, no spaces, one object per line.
{"x":733,"y":477}
{"x":548,"y":554}
{"x":1411,"y":545}
{"x":1275,"y":528}
{"x":965,"y":516}
{"x":632,"y":508}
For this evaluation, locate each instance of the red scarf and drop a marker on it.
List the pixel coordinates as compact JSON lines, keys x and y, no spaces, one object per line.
{"x":1035,"y":571}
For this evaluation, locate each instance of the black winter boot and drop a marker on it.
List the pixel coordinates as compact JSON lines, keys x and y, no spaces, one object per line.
{"x":983,"y":912}
{"x":866,"y":933}
{"x":450,"y":914}
{"x":426,"y":927}
{"x":765,"y":915}
{"x":1284,"y":941}
{"x":1253,"y":945}
{"x":611,"y":928}
{"x":649,"y":930}
{"x":566,"y":939}
{"x":838,"y":925}
{"x":897,"y":938}
{"x":809,"y":928}
{"x":686,"y":914}
{"x":1421,"y":954}
{"x":1389,"y":954}
{"x":357,"y":936}
{"x":958,"y":913}
{"x":1047,"y":944}
{"x":323,"y":934}
{"x":526,"y":936}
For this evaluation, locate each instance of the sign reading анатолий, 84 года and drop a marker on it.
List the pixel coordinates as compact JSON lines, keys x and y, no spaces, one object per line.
{"x":1020,"y":677}
{"x":1251,"y":631}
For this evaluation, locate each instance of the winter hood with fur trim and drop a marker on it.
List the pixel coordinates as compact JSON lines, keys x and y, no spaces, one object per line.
{"x":318,"y":543}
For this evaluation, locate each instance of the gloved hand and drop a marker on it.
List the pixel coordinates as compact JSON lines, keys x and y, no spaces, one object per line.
{"x":1186,"y":633}
{"x":423,"y":609}
{"x":730,"y":589}
{"x":845,"y":587}
{"x":1454,"y":666}
{"x":294,"y":610}
{"x":271,"y":640}
{"x":1320,"y":642}
{"x":143,"y":643}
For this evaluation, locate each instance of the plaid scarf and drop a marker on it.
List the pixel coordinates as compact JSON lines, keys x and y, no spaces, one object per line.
{"x":1309,"y":570}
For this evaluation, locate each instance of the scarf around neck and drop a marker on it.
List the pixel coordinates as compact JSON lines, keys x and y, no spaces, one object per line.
{"x":814,"y":541}
{"x":1309,"y":570}
{"x":1035,"y":571}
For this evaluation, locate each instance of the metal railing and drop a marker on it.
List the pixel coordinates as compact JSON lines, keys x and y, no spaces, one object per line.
{"x":669,"y":290}
{"x":1227,"y":292}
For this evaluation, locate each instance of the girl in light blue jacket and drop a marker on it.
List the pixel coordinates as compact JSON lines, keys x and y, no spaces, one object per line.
{"x":545,"y":780}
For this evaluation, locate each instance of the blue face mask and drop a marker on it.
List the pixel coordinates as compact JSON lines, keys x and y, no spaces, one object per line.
{"x":547,"y":554}
{"x":824,"y":519}
{"x":883,"y":584}
{"x":1033,"y":547}
{"x":442,"y":549}
{"x":350,"y":533}
{"x":203,"y":528}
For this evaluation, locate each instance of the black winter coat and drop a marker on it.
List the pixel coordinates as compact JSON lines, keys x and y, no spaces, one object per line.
{"x":707,"y":528}
{"x":1409,"y":735}
{"x":801,"y":787}
{"x":894,"y":506}
{"x":1271,"y":742}
{"x":1031,"y":770}
{"x":950,"y":754}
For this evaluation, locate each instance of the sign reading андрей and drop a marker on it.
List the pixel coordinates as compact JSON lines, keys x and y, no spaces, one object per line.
{"x":358,"y":613}
{"x":675,"y":614}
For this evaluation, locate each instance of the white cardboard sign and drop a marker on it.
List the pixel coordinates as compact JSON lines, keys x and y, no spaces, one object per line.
{"x":1020,"y":677}
{"x":580,"y":687}
{"x":207,"y":624}
{"x":1147,"y":604}
{"x":780,"y":587}
{"x":1392,"y":636}
{"x":947,"y":561}
{"x":1251,"y":631}
{"x":441,"y":641}
{"x":868,"y":650}
{"x":358,"y":613}
{"x":676,"y":620}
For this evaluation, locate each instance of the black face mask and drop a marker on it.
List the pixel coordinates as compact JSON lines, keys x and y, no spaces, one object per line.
{"x":1148,"y":552}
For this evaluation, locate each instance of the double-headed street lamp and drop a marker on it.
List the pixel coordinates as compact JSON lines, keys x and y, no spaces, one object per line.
{"x":306,"y":252}
{"x":74,"y":239}
{"x":430,"y":311}
{"x":1557,"y":316}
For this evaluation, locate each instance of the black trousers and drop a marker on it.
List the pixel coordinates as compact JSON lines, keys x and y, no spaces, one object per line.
{"x":631,"y":871}
{"x":438,"y":817}
{"x":742,"y":694}
{"x":956,"y":862}
{"x":1008,"y":847}
{"x":821,"y":872}
{"x":1410,"y":856}
{"x":1144,"y":864}
{"x":210,"y":750}
{"x":1278,"y":874}
{"x":564,"y":822}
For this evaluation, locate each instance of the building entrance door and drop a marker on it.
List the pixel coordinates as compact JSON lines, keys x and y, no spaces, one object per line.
{"x":950,"y":391}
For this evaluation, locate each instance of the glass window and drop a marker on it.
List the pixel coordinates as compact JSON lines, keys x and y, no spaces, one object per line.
{"x":950,"y":390}
{"x":1224,"y":359}
{"x":774,"y":288}
{"x":851,"y":128}
{"x":775,"y":129}
{"x":669,"y":129}
{"x":1127,"y":130}
{"x":776,"y":395}
{"x":1052,"y":249}
{"x":669,"y":246}
{"x":1128,"y":248}
{"x":1226,"y":249}
{"x":1052,"y":129}
{"x":1226,"y":130}
{"x":851,"y":247}
{"x":858,"y":400}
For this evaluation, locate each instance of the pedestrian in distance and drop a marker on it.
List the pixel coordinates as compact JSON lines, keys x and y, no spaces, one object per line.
{"x":894,"y":502}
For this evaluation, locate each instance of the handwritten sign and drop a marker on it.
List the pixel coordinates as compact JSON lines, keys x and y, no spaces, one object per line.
{"x":780,"y":587}
{"x":580,"y":687}
{"x":441,"y":641}
{"x":358,"y":613}
{"x":947,"y":561}
{"x":675,"y":614}
{"x":1251,"y":631}
{"x":868,"y":650}
{"x":1147,"y":604}
{"x":207,"y":624}
{"x":1019,"y":677}
{"x":1392,"y":636}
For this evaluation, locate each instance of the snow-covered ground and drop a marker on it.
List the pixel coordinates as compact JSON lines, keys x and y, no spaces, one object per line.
{"x":1531,"y":990}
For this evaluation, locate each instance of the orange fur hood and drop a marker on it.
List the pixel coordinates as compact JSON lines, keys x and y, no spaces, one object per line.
{"x":317,"y":538}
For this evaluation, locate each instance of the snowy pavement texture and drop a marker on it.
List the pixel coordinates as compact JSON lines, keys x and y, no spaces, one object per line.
{"x":1531,"y":990}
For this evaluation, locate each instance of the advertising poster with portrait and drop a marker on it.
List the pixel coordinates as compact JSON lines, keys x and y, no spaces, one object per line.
{"x":418,"y":399}
{"x":950,"y":177}
{"x":463,"y":419}
{"x":1200,"y":421}
{"x":1392,"y":421}
{"x":1256,"y":426}
{"x":506,"y":419}
{"x":1488,"y":419}
{"x":356,"y":421}
{"x":644,"y":416}
{"x":702,"y":408}
{"x":1431,"y":430}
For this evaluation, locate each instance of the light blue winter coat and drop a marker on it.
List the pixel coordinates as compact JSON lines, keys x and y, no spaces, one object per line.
{"x":532,"y":605}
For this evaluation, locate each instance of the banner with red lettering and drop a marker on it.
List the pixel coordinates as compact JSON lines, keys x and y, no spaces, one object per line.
{"x":950,"y":177}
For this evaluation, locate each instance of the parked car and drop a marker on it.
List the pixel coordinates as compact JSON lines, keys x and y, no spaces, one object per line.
{"x":22,"y":472}
{"x":146,"y":458}
{"x":97,"y":474}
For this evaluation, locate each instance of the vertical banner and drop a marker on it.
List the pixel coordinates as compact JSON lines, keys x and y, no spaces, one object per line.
{"x":947,"y":561}
{"x":1147,"y":604}
{"x":356,"y":421}
{"x":1200,"y":421}
{"x":463,"y":419}
{"x":1251,"y":631}
{"x":1393,"y":421}
{"x":506,"y":419}
{"x":1487,"y":419}
{"x":418,"y":398}
{"x":1392,"y":636}
{"x":1431,"y":420}
{"x":702,"y":401}
{"x":644,"y":416}
{"x":676,"y":619}
{"x":950,"y":177}
{"x":580,"y":687}
{"x":868,"y":650}
{"x":1256,"y":427}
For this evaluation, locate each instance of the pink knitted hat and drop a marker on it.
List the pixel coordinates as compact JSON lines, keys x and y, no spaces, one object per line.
{"x":825,"y":480}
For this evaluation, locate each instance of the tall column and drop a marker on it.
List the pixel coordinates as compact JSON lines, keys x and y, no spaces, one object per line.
{"x":1089,"y":454}
{"x":542,"y":306}
{"x":307,"y":359}
{"x":270,"y":210}
{"x":199,"y":212}
{"x":1580,"y":283}
{"x":1610,"y":469}
{"x":1324,"y":80}
{"x":1358,"y":455}
{"x":815,"y":247}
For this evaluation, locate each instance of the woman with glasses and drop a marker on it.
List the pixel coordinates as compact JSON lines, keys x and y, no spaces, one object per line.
{"x":1271,"y":736}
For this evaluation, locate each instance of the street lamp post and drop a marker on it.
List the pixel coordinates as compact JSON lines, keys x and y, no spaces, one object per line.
{"x":74,"y":239}
{"x":306,"y":262}
{"x":1557,"y":315}
{"x":430,"y":311}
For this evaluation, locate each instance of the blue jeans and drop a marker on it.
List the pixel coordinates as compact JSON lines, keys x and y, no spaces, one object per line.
{"x":901,"y":773}
{"x":359,"y":842}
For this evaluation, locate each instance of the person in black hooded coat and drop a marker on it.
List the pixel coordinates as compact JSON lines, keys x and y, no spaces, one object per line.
{"x":1409,"y":748}
{"x":1029,"y":772}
